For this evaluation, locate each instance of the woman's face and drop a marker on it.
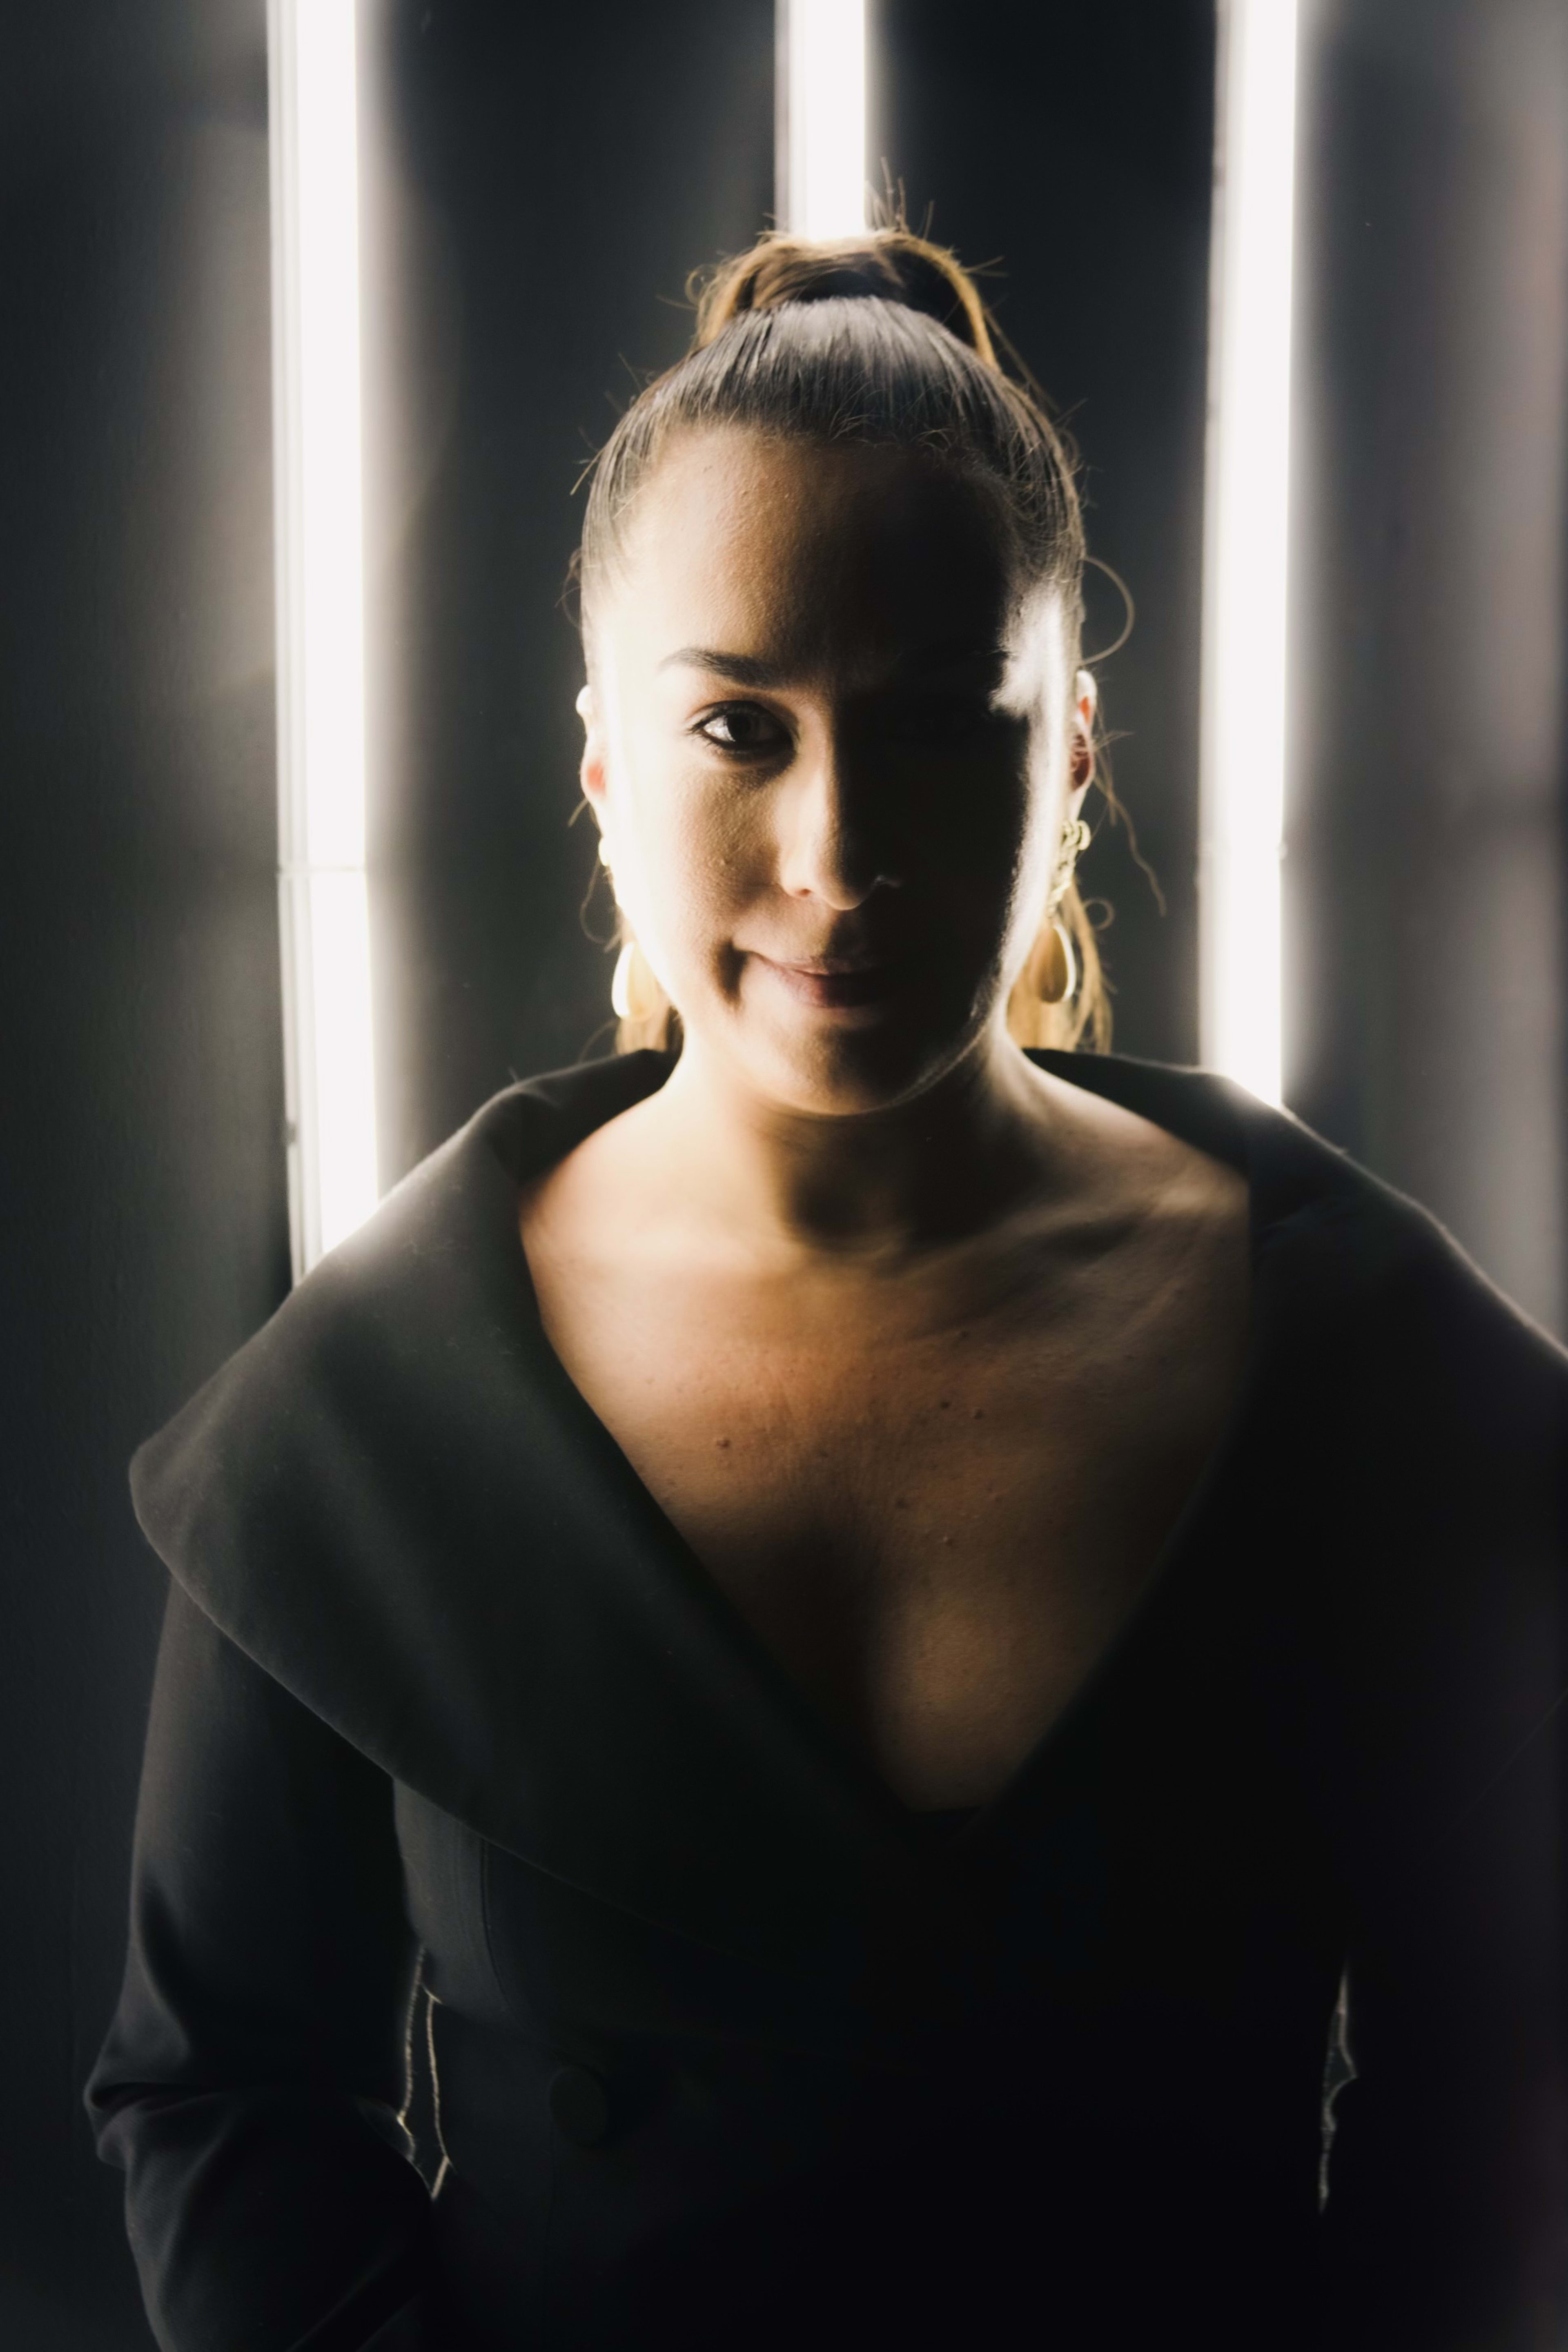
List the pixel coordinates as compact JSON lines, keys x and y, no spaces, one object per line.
{"x":831,"y":750}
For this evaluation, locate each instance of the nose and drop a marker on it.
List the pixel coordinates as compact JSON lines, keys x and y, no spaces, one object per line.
{"x":830,"y":847}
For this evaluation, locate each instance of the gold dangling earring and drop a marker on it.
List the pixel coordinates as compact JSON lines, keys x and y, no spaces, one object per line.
{"x":1051,"y":972}
{"x":635,"y":994}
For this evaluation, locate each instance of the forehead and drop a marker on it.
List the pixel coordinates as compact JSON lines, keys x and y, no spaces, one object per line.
{"x":841,"y":555}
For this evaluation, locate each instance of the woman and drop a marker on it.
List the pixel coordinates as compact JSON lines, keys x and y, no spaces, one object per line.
{"x":884,"y":1617}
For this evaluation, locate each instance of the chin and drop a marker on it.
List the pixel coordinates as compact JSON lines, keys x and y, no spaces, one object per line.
{"x":840,"y":1070}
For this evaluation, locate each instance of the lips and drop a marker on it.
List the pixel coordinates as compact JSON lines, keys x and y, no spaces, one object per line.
{"x":837,"y":981}
{"x":825,"y":967}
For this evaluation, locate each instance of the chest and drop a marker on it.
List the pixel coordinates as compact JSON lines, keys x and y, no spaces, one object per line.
{"x":936,"y":1521}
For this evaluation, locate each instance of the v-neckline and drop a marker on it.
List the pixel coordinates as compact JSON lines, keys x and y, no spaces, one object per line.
{"x":832,"y":1752}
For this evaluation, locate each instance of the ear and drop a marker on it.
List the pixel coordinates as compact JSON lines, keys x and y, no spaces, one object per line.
{"x":1085,"y":710}
{"x":590,"y":772}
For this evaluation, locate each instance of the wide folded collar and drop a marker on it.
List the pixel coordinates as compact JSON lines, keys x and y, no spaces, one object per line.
{"x":393,"y":1500}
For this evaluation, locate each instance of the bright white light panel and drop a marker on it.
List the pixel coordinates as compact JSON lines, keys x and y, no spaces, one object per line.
{"x":1245,"y":552}
{"x":822,"y":117}
{"x":323,"y":907}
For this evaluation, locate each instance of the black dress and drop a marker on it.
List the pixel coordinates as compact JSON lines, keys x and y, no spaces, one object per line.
{"x":732,"y":2050}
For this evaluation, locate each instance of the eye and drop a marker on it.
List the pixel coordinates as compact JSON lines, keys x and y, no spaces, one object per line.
{"x":743,"y":727}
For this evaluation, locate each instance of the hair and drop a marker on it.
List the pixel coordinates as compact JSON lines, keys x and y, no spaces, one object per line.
{"x":881,"y":338}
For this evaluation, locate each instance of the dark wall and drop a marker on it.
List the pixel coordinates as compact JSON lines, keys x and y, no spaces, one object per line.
{"x":144,"y":1205}
{"x":1074,"y":146}
{"x":1425,"y":898}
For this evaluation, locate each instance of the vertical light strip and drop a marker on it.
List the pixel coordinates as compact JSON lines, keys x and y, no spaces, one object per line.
{"x":820,"y":116}
{"x":1243,"y":751}
{"x":322,"y":903}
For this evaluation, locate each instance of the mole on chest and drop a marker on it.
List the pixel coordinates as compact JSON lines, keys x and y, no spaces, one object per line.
{"x":844,"y":1424}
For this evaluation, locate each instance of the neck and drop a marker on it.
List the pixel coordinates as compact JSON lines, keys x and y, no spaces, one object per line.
{"x":876,"y":1185}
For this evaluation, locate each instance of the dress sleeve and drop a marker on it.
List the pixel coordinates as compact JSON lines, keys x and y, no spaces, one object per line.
{"x":251,"y":2080}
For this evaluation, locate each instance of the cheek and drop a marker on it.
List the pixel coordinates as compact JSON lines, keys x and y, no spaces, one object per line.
{"x":1004,"y":865}
{"x":975,"y":833}
{"x":700,"y":854}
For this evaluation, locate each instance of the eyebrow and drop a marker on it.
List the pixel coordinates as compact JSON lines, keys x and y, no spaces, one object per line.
{"x":740,"y":669}
{"x":753,"y":669}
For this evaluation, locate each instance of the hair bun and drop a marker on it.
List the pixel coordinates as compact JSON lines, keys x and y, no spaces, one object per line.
{"x":892,"y":265}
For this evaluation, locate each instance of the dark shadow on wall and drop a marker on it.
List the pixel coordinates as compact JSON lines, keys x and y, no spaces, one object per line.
{"x":143,"y":1200}
{"x":1425,"y":886}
